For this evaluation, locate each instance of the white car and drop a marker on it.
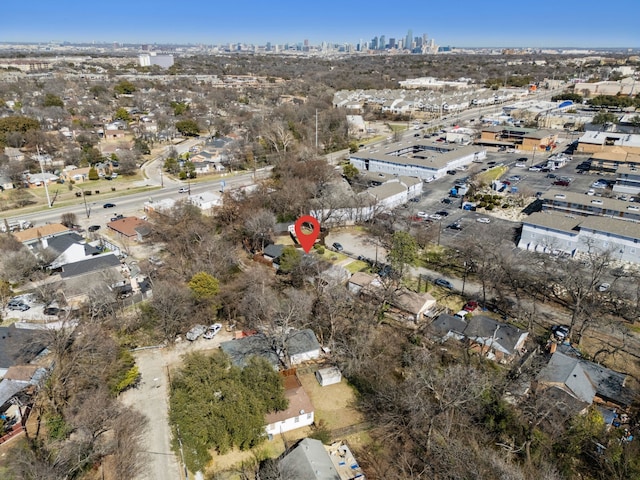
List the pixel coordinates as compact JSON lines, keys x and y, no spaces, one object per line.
{"x":183,"y":190}
{"x":483,"y":220}
{"x":195,"y":332}
{"x":521,"y":165}
{"x":212,"y":331}
{"x":535,"y":169}
{"x":435,"y":216}
{"x":603,"y":287}
{"x":422,"y":215}
{"x":591,"y":192}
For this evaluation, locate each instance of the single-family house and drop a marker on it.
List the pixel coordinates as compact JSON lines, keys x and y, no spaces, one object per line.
{"x":205,"y":201}
{"x":131,"y":227}
{"x":302,"y":346}
{"x":299,"y":346}
{"x":95,"y":263}
{"x":68,"y":248}
{"x":14,"y":154}
{"x":309,"y":459}
{"x":404,"y":303}
{"x":299,"y":413}
{"x":585,"y":381}
{"x":5,"y":182}
{"x":493,"y":339}
{"x":272,"y":253}
{"x":20,"y":346}
{"x":74,"y":173}
{"x":33,"y":180}
{"x":34,"y":235}
{"x":496,"y":340}
{"x":412,"y":305}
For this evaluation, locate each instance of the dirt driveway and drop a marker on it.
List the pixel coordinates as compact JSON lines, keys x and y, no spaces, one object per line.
{"x":151,"y":399}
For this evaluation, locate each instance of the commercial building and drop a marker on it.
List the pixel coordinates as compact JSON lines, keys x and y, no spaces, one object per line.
{"x":528,"y":139}
{"x":611,"y":142}
{"x":562,"y":234}
{"x":423,"y":159}
{"x":149,"y":59}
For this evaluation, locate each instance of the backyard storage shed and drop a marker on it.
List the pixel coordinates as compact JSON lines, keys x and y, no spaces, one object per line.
{"x":328,"y":376}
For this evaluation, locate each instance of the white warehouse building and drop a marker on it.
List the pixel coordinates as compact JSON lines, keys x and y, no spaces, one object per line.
{"x":424,"y":159}
{"x":558,"y":233}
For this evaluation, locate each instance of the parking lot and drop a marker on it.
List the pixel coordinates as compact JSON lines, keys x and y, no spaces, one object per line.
{"x":528,"y":183}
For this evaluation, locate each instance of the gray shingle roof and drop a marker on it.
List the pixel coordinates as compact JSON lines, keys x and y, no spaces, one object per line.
{"x":308,"y":460}
{"x":99,"y":262}
{"x":60,"y":243}
{"x":20,"y":345}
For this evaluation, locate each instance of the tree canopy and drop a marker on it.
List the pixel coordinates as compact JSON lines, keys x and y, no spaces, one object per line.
{"x":216,"y":405}
{"x":188,"y":127}
{"x":16,"y":123}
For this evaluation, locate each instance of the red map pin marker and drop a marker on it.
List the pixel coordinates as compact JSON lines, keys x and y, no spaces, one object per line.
{"x":307,"y":239}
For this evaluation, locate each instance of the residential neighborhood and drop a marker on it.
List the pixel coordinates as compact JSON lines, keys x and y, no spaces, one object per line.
{"x":390,"y":258}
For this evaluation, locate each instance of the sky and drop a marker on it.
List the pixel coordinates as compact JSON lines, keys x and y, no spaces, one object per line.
{"x":462,"y":23}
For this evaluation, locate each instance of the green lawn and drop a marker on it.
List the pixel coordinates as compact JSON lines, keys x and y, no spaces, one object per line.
{"x":357,"y":266}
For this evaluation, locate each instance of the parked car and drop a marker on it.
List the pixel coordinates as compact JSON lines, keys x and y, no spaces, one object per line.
{"x":441,"y":282}
{"x":451,"y":172}
{"x":591,"y":192}
{"x":483,"y":220}
{"x":455,"y":226}
{"x":18,"y":305}
{"x":446,"y":200}
{"x":51,"y":310}
{"x":470,"y":306}
{"x":108,"y":205}
{"x":535,"y":168}
{"x":560,"y":331}
{"x":117,"y":217}
{"x":435,"y":216}
{"x":603,"y":287}
{"x":562,"y":183}
{"x":422,"y":215}
{"x":195,"y":332}
{"x":94,"y":228}
{"x":212,"y":331}
{"x":337,"y":247}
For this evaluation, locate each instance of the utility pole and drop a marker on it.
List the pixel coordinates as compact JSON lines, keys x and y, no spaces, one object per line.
{"x":44,"y":180}
{"x":186,"y":472}
{"x":316,"y":129}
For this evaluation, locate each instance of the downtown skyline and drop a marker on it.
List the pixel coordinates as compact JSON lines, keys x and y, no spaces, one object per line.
{"x":492,"y":23}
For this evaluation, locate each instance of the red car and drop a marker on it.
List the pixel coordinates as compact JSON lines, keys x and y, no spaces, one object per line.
{"x":470,"y":306}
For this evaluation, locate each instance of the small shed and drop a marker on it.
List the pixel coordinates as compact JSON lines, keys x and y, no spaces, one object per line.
{"x":328,"y":376}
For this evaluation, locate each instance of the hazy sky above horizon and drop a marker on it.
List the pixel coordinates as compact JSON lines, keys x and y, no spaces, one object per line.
{"x":464,"y":23}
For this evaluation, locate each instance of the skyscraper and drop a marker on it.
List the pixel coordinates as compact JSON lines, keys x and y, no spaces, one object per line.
{"x":408,"y":41}
{"x":381,"y":44}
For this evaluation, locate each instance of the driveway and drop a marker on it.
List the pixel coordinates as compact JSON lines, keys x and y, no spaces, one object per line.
{"x":151,"y":398}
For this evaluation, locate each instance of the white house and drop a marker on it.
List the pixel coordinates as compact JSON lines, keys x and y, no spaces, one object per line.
{"x":205,"y":201}
{"x":299,"y":414}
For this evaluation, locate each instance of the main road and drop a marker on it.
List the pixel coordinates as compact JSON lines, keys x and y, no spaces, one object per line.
{"x":93,"y":212}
